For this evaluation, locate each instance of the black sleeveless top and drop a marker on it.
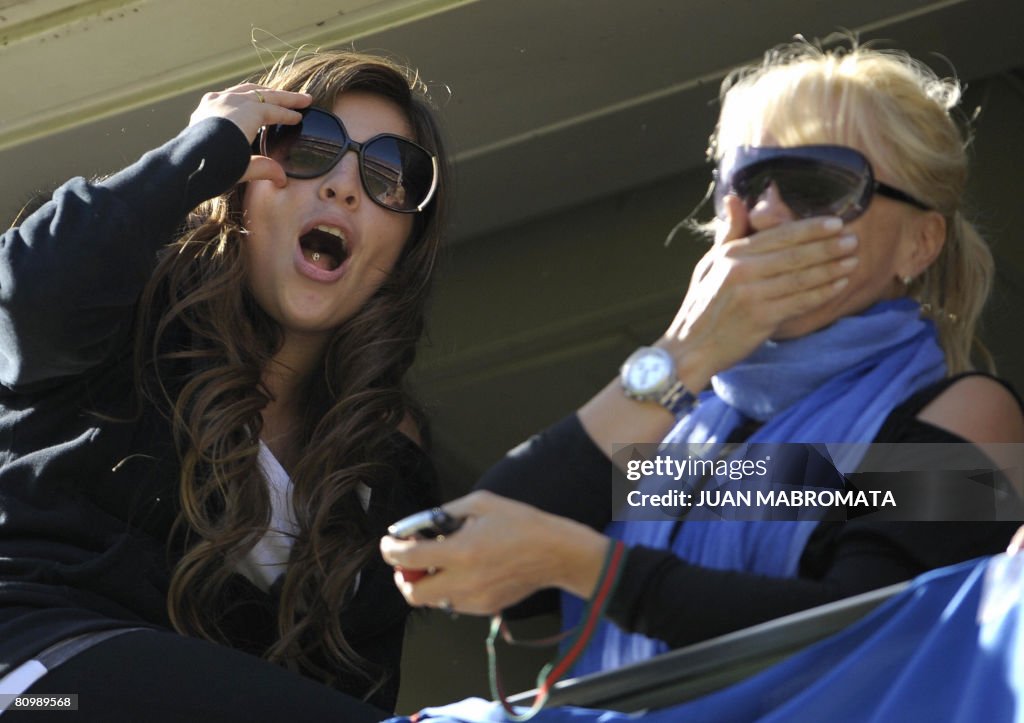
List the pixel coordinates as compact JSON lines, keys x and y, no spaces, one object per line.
{"x":660,"y":595}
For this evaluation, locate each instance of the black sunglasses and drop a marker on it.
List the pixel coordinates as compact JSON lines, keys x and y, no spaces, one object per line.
{"x":816,"y":180}
{"x":397,"y":174}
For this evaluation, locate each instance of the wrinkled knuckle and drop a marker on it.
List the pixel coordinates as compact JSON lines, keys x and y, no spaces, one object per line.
{"x":827,"y":273}
{"x":742,"y":245}
{"x":799,"y":256}
{"x":731,"y":249}
{"x":748,"y":297}
{"x":458,"y":556}
{"x":808,"y":277}
{"x":812,"y":300}
{"x":762,"y":315}
{"x":825,"y":293}
{"x":745,"y":272}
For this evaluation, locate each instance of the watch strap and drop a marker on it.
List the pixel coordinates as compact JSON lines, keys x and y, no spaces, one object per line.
{"x":678,"y":399}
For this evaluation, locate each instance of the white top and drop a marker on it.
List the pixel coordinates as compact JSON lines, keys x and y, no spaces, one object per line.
{"x":266,"y":562}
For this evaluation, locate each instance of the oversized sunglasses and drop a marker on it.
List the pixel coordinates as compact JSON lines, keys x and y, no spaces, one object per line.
{"x":819,"y":180}
{"x":396,"y":173}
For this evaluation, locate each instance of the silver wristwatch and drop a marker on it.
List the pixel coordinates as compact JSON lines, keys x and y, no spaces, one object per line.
{"x":649,"y":375}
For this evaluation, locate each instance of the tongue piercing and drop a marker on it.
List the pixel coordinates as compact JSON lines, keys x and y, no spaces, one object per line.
{"x":316,"y":256}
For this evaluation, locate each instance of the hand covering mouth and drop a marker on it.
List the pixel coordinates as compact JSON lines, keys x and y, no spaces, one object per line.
{"x":324,"y":247}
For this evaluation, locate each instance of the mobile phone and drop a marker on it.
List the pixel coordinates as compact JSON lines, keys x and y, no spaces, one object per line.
{"x":431,"y":524}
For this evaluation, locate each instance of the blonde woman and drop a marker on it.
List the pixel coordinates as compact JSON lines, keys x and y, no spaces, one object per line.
{"x":838,"y":304}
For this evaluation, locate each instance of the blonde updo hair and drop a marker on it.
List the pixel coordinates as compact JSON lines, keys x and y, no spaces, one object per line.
{"x":899,"y":113}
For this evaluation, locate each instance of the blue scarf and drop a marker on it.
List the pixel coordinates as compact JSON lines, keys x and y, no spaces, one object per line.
{"x":836,"y":385}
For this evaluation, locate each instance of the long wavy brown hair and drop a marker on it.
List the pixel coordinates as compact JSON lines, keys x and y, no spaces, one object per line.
{"x":201,"y":358}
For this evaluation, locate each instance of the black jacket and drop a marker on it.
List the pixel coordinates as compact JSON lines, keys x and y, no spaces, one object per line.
{"x":88,"y":487}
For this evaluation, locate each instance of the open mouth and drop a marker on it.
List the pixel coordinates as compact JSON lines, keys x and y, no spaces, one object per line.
{"x":324,"y":247}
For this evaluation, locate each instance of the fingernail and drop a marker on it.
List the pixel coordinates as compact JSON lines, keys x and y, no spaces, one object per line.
{"x":849,"y":262}
{"x":847,"y":242}
{"x":410,"y":575}
{"x":840,"y":283}
{"x":833,"y":224}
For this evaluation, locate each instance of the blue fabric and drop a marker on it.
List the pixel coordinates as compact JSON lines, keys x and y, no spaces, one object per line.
{"x":835,"y":385}
{"x":950,"y":648}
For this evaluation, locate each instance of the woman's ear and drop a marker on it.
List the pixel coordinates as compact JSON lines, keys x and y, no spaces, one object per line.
{"x":927,"y":234}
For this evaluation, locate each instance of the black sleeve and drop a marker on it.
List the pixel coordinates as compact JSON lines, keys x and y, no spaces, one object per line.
{"x":665,"y":597}
{"x":71,"y":273}
{"x":560,"y":471}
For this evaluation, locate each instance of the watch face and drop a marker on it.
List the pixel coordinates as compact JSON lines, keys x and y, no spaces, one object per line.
{"x":648,"y":372}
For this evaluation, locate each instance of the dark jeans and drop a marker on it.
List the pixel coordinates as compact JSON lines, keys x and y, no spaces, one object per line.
{"x":162,"y":677}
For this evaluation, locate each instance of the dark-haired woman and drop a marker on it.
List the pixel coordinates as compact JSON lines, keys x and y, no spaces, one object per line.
{"x":205,"y":428}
